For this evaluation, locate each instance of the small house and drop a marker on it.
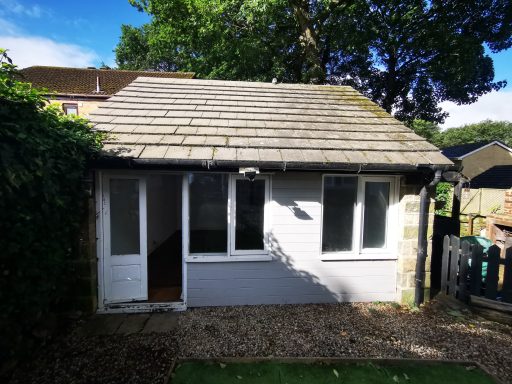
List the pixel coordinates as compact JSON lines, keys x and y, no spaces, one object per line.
{"x":79,"y":91}
{"x":476,"y":158}
{"x":214,"y":193}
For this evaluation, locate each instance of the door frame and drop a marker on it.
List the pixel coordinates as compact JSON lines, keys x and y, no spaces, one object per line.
{"x":143,"y":232}
{"x":133,"y":307}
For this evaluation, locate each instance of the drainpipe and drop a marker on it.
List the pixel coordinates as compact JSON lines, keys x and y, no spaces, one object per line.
{"x":422,"y":238}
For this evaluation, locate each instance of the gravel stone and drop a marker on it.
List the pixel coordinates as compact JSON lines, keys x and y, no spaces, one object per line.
{"x":323,"y":330}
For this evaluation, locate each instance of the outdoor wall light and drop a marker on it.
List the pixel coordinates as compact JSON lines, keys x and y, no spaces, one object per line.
{"x":250,"y":173}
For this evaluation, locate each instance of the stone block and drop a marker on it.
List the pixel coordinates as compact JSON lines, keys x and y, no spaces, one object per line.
{"x":406,"y":297}
{"x":412,"y":206}
{"x":406,"y":264}
{"x":410,"y":232}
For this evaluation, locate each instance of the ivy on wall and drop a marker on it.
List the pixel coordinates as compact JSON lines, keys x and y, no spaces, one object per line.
{"x":43,"y":159}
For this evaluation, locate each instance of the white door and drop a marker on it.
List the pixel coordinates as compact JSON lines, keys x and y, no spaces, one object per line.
{"x":125,"y":254}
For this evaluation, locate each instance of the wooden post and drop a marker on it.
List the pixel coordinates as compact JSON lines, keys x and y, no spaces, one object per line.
{"x":477,"y":256}
{"x":454,"y":265}
{"x":445,"y":264}
{"x":457,"y":194}
{"x":507,"y":279}
{"x":463,"y":271}
{"x":493,"y":268}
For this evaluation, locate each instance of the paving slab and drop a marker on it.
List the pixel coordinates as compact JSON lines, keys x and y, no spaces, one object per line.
{"x":133,"y":324}
{"x":103,"y":325}
{"x":161,"y":322}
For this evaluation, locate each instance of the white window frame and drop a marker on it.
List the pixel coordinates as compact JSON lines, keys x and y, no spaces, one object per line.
{"x":358,"y":252}
{"x":232,"y":220}
{"x":390,"y":219}
{"x":232,"y":254}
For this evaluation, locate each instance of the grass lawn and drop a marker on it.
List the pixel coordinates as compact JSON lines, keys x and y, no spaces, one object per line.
{"x":347,"y":373}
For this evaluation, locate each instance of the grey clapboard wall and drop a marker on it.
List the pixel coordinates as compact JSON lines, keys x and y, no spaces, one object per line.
{"x":297,"y":274}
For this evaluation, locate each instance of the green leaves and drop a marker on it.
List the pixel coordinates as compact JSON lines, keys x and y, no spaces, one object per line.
{"x":406,"y":55}
{"x":43,"y":158}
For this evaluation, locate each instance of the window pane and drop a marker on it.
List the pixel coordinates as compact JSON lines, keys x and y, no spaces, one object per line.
{"x":250,"y":207}
{"x":71,"y":110}
{"x":124,"y":217}
{"x":376,"y":202}
{"x":340,"y":196}
{"x":208,"y":213}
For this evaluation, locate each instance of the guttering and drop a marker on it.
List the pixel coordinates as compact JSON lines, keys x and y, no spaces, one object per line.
{"x":422,"y":237}
{"x":267,"y":165}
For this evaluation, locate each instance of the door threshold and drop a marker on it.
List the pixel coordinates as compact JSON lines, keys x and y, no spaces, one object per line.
{"x":143,"y":307}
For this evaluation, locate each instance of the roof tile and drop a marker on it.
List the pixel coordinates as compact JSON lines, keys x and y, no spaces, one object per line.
{"x":259,"y":122}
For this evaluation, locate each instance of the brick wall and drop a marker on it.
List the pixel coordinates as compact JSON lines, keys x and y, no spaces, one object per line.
{"x":507,"y":208}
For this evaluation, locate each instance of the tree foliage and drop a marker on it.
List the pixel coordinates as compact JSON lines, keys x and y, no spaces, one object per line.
{"x":43,"y":157}
{"x":486,"y":130}
{"x":407,"y":55}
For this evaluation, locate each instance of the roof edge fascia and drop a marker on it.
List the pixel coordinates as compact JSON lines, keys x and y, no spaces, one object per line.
{"x":497,"y":142}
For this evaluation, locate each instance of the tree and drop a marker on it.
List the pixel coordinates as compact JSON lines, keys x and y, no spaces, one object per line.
{"x":486,"y":130}
{"x":43,"y":158}
{"x":426,"y":129}
{"x":407,"y":55}
{"x":473,"y":133}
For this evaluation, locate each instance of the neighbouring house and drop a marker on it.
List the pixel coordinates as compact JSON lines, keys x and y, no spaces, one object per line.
{"x":497,"y":177}
{"x":80,"y":90}
{"x":487,"y":170}
{"x":235,"y":193}
{"x":476,"y":158}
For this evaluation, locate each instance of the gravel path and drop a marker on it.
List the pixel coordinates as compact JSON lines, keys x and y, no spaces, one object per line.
{"x":342,"y":330}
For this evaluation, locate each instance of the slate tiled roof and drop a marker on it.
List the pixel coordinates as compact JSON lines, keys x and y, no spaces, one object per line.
{"x":82,"y":81}
{"x":256,"y":123}
{"x":499,"y":176}
{"x":458,"y":151}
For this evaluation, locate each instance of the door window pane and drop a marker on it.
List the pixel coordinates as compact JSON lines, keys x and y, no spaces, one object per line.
{"x":376,"y":203}
{"x":340,"y":197}
{"x":249,"y":211}
{"x":208,"y":213}
{"x":124,"y":217}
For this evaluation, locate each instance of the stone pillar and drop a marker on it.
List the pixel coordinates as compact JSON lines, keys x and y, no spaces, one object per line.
{"x":409,"y":207}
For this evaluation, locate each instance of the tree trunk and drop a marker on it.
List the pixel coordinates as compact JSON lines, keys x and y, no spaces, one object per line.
{"x":315,"y":72}
{"x":390,"y":84}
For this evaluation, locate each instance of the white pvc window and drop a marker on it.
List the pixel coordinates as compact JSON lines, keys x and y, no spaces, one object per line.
{"x":228,"y":217}
{"x":358,"y":213}
{"x":249,"y":200}
{"x":208,"y":213}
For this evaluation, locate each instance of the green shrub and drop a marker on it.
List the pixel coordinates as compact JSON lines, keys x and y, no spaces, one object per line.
{"x":43,"y":159}
{"x":444,"y":196}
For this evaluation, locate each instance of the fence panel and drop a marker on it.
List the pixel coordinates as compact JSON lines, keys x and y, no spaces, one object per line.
{"x":445,"y":264}
{"x":462,"y":267}
{"x":454,"y":264}
{"x":507,"y":279}
{"x":493,"y":271}
{"x":463,"y":271}
{"x":477,"y":258}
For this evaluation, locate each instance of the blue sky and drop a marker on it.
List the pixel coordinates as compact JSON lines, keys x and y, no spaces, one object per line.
{"x":84,"y":33}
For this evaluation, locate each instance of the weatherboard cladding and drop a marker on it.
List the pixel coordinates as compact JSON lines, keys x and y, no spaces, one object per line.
{"x":186,"y":119}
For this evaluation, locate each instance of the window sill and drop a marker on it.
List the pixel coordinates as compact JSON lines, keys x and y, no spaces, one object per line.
{"x":358,"y":257}
{"x":227,"y":259}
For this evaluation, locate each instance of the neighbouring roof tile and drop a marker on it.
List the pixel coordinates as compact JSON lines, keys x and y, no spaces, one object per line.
{"x":82,"y":81}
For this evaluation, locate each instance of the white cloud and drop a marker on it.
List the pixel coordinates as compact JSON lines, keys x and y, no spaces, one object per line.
{"x":26,"y":51}
{"x":15,"y":7}
{"x":494,"y":106}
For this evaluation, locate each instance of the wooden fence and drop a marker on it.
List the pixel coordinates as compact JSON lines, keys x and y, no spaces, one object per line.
{"x":461,"y":272}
